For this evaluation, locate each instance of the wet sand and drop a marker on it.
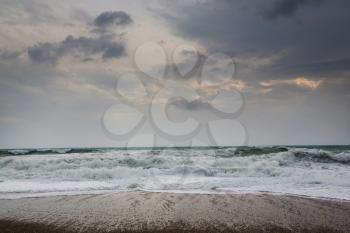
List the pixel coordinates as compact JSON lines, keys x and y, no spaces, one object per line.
{"x":173,"y":212}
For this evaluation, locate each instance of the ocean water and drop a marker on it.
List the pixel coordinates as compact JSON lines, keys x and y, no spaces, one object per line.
{"x":314,"y":171}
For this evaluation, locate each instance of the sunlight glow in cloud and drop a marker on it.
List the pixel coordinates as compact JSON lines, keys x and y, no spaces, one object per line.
{"x":299,"y":82}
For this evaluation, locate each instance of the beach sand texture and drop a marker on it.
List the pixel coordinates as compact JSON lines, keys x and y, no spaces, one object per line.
{"x":174,"y":212}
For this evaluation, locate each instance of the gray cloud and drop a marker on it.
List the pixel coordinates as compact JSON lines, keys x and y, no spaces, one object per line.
{"x":295,"y":46}
{"x":66,"y":101}
{"x":286,"y":8}
{"x":50,"y":101}
{"x":109,"y":18}
{"x":80,"y":15}
{"x":105,"y":44}
{"x":7,"y":55}
{"x":85,"y":46}
{"x":27,"y":12}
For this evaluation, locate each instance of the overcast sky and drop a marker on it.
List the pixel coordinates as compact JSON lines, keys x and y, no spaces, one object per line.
{"x":234,"y":71}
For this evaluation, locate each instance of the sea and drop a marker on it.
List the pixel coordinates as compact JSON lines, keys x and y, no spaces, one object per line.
{"x":310,"y":171}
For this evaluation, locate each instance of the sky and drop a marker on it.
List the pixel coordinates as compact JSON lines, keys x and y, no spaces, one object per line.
{"x":197,"y":72}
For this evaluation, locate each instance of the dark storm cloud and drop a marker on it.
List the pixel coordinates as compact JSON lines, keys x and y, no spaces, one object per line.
{"x":315,"y":39}
{"x":86,"y":46}
{"x":108,"y":18}
{"x":286,"y":8}
{"x":193,"y":105}
{"x":334,"y":67}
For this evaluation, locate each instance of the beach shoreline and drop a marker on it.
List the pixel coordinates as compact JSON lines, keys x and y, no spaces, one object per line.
{"x":174,"y":212}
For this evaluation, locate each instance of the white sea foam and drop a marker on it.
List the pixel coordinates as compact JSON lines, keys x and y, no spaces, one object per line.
{"x":301,"y":171}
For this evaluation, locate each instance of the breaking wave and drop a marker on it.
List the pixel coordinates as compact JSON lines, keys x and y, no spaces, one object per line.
{"x":310,"y":171}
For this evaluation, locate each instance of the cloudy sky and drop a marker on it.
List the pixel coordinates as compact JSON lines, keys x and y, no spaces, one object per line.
{"x":106,"y":73}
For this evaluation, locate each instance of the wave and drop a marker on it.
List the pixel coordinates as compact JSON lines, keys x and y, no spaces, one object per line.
{"x":323,"y":157}
{"x":48,"y":151}
{"x":247,"y":151}
{"x":270,"y":168}
{"x":220,"y":162}
{"x":220,"y":151}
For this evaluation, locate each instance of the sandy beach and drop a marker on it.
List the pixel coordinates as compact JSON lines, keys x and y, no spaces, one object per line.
{"x":174,"y":212}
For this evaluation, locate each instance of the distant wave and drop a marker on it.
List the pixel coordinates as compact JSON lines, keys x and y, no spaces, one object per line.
{"x":48,"y":151}
{"x":227,"y":151}
{"x":246,"y":151}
